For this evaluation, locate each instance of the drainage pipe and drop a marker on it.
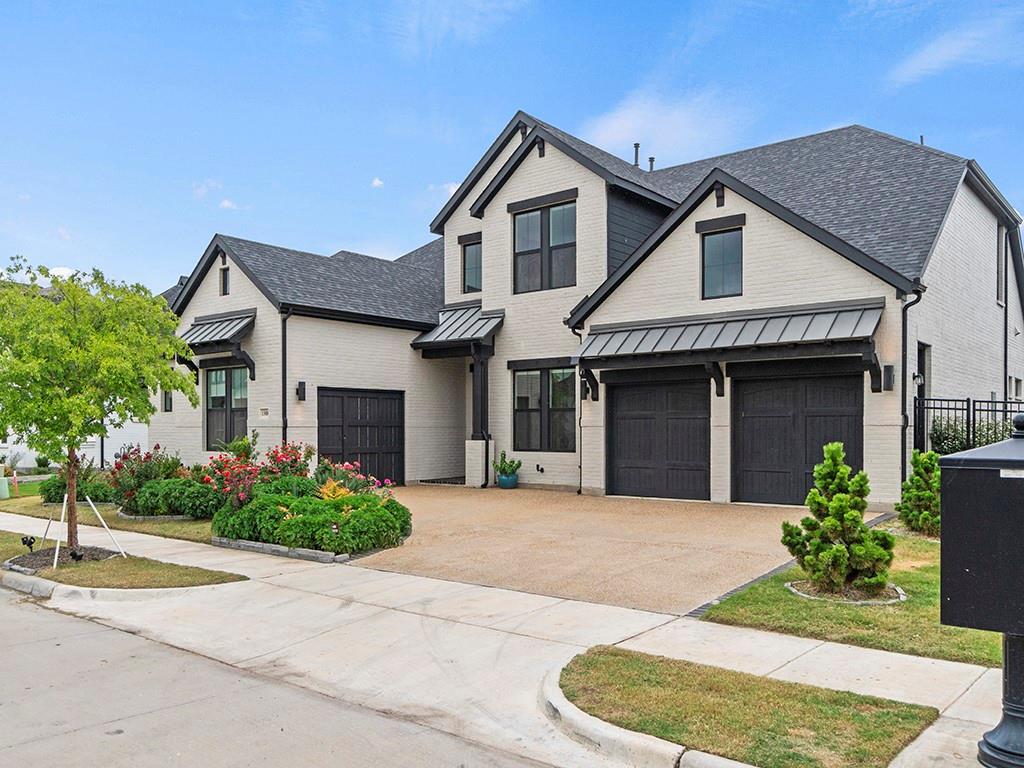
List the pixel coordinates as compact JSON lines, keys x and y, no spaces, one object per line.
{"x":918,"y":291}
{"x":284,"y":374}
{"x":579,"y":424}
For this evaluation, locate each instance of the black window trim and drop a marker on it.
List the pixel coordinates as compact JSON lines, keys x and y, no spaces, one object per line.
{"x":462,"y":247}
{"x":544,"y":409}
{"x":703,"y":289}
{"x":721,"y":223}
{"x":225,"y":281}
{"x":166,"y":401}
{"x":544,"y":201}
{"x":210,"y":446}
{"x":545,"y":250}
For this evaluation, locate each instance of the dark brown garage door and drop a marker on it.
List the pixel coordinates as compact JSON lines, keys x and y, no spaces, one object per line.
{"x":779,"y":427}
{"x":364,"y":425}
{"x":659,"y":440}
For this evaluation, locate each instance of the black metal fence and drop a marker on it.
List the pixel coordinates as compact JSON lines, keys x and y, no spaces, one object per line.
{"x":947,"y":425}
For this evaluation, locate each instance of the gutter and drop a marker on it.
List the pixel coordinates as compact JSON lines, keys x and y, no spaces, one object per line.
{"x":918,"y":292}
{"x":284,"y":374}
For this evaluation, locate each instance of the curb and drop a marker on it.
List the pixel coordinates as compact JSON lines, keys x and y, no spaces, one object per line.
{"x":635,"y":749}
{"x":37,"y":586}
{"x":315,"y":555}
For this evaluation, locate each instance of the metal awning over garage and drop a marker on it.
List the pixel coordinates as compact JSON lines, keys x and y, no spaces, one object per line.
{"x":822,"y":329}
{"x":215,"y":330}
{"x":460,"y":327}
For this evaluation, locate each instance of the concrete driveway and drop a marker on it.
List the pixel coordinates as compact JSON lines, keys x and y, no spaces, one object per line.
{"x":664,"y":556}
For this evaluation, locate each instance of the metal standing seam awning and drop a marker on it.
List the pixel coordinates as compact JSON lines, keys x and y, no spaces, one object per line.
{"x":222,"y":333}
{"x":460,"y":327}
{"x":821,"y":330}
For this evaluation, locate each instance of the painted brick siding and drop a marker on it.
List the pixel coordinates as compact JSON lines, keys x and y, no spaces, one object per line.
{"x":781,"y":266}
{"x":182,"y":430}
{"x":533,"y":326}
{"x":328,"y":353}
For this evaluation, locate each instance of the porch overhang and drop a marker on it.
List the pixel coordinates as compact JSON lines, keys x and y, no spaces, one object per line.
{"x":217,"y":334}
{"x":460,"y":331}
{"x":842,"y":329}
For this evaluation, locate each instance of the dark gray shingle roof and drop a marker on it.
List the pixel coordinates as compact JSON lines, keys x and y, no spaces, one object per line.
{"x":346,"y":281}
{"x":172,"y":293}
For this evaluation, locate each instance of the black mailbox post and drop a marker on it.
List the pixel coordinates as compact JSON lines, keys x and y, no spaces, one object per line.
{"x":983,"y":570}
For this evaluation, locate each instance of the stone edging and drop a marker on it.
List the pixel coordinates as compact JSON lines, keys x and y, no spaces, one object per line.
{"x":635,"y":749}
{"x":900,"y":598}
{"x":280,"y":550}
{"x":144,"y":518}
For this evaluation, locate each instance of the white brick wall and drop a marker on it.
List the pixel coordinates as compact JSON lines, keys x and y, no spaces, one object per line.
{"x":781,"y":266}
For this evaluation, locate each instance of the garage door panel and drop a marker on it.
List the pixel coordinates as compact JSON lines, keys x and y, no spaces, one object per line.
{"x":659,"y":440}
{"x":767,"y":397}
{"x":365,"y":426}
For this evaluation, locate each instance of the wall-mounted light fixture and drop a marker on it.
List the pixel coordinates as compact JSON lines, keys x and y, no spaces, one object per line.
{"x":300,"y":390}
{"x":918,"y":379}
{"x":888,"y":378}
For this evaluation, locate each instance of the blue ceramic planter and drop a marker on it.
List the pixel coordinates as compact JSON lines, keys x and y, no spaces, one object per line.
{"x":508,"y":481}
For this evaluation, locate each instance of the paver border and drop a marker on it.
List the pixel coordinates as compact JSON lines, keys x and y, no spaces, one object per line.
{"x":144,"y":518}
{"x":296,"y":553}
{"x":901,"y":596}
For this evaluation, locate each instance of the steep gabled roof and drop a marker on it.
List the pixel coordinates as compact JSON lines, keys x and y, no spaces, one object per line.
{"x":344,"y":285}
{"x":171,"y":294}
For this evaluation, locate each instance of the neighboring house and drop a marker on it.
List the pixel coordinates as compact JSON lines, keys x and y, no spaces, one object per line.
{"x":101,"y":451}
{"x":697,"y":331}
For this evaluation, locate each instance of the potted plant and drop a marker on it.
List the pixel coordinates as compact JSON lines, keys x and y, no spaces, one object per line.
{"x":507,"y":471}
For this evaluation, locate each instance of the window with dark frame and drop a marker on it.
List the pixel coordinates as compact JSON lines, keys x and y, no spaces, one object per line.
{"x":722,"y":264}
{"x":472,"y":267}
{"x":166,"y":401}
{"x":545,"y":248}
{"x":227,"y":405}
{"x":544,"y":410}
{"x":225,"y":283}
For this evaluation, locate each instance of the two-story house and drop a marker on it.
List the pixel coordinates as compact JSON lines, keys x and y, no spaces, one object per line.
{"x":695,"y":332}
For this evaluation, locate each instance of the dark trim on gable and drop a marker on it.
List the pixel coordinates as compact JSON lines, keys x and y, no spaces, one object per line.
{"x":722,"y":222}
{"x":353,"y":317}
{"x":541,"y":363}
{"x":717,"y":176}
{"x":249,"y":312}
{"x":541,"y":134}
{"x":543,"y":201}
{"x":216,"y":249}
{"x":516,"y":125}
{"x":471,"y":238}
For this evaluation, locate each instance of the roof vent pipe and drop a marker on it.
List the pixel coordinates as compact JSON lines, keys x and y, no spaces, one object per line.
{"x":650,"y":162}
{"x":636,"y":154}
{"x":922,"y":139}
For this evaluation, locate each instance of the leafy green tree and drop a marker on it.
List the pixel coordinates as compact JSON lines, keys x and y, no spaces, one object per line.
{"x":920,"y":507}
{"x":78,"y":357}
{"x":834,"y":546}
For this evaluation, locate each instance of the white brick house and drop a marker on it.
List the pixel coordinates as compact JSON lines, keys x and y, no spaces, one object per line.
{"x":693,"y":332}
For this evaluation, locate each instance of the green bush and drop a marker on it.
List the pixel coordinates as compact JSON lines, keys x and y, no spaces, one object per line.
{"x":53,"y":489}
{"x":350,"y":524}
{"x":289,"y":485}
{"x":920,"y":507}
{"x":42,"y":462}
{"x":834,"y":546}
{"x":178,"y":496}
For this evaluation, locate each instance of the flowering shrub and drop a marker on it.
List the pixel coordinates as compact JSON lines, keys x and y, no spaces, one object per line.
{"x":134,"y":468}
{"x":350,"y":477}
{"x":232,"y":476}
{"x":289,"y":458}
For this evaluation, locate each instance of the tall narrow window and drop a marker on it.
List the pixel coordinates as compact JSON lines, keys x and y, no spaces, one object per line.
{"x":227,"y":404}
{"x":722,"y":264}
{"x":165,"y":400}
{"x":472,"y":268}
{"x":545,"y":248}
{"x":1000,"y":264}
{"x":545,"y":410}
{"x":225,"y":284}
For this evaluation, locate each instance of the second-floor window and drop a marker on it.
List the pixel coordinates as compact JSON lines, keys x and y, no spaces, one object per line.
{"x":225,"y":281}
{"x":545,"y":248}
{"x":472,"y":267}
{"x":722,"y":264}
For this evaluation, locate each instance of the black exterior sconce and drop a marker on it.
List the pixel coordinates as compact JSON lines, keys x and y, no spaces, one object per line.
{"x":300,"y":390}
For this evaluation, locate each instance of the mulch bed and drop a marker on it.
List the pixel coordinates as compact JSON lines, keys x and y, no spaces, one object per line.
{"x":849,"y":594}
{"x":43,"y":558}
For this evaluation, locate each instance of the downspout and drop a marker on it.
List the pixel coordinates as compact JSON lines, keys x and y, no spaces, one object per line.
{"x":1005,"y":277}
{"x":284,"y":374}
{"x":918,"y":291}
{"x":579,"y":425}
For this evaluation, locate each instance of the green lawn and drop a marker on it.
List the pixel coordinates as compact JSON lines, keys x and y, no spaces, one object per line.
{"x":119,"y":572}
{"x":25,"y":489}
{"x":190,"y":530}
{"x":909,"y":627}
{"x":756,"y":720}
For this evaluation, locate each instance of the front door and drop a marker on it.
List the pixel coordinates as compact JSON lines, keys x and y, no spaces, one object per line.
{"x":364,"y":425}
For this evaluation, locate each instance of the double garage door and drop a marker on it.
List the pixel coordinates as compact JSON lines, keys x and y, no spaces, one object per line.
{"x":659,"y":435}
{"x":364,"y":425}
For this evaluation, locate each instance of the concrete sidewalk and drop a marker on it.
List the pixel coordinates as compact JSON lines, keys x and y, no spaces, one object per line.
{"x":470,"y":659}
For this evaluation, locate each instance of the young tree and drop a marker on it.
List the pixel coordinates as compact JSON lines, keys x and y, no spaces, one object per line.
{"x":920,"y":507}
{"x":834,"y":546}
{"x":78,"y":357}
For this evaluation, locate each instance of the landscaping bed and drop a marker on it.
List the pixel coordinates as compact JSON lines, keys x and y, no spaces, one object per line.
{"x":908,"y":627}
{"x":103,"y":568}
{"x":756,"y":720}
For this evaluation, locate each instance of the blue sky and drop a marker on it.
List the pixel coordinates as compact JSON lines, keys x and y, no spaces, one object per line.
{"x":132,"y":132}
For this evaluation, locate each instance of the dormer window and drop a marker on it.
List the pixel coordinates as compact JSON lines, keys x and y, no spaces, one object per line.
{"x":545,"y":248}
{"x":225,"y":281}
{"x":472,"y":267}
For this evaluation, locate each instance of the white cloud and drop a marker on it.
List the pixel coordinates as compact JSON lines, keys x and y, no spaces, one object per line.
{"x":448,"y":188}
{"x":201,"y":188}
{"x":990,"y":40}
{"x":419,"y":27}
{"x":674,"y":130}
{"x":376,"y":183}
{"x":24,"y":197}
{"x":62,"y":271}
{"x":228,"y":204}
{"x":63,"y":234}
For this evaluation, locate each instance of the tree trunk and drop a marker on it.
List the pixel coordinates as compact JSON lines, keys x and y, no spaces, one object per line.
{"x":71,"y":475}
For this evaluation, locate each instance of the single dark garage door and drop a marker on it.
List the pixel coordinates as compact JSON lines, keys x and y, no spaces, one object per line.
{"x":364,"y":425}
{"x":779,"y":427}
{"x":660,"y":440}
